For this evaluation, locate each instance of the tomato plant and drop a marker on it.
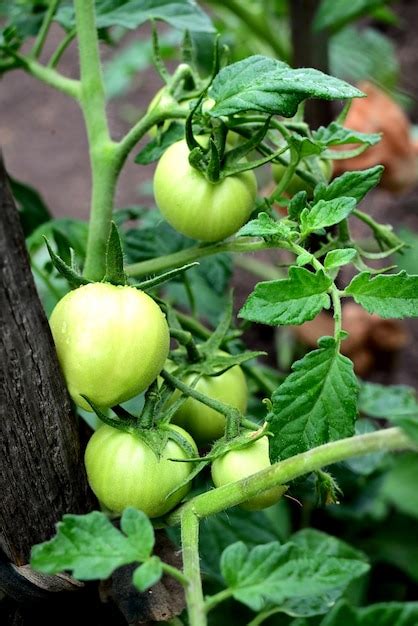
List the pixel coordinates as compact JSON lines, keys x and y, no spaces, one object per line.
{"x":196,"y":207}
{"x":151,"y":338}
{"x":124,"y":471}
{"x":112,"y":342}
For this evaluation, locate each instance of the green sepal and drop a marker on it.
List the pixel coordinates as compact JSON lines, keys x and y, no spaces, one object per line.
{"x":118,"y":424}
{"x":73,"y":278}
{"x":115,"y":273}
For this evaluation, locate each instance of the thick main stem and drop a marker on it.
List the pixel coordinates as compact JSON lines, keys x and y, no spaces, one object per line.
{"x":103,"y":154}
{"x":283,"y":472}
{"x":191,"y":568}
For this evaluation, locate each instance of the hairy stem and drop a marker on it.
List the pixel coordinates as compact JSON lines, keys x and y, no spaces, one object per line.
{"x":175,"y":573}
{"x":192,"y":254}
{"x":285,"y":471}
{"x":191,"y":568}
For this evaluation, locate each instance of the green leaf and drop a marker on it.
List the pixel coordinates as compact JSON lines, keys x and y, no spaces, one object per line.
{"x":384,"y":614}
{"x":333,"y":15}
{"x":32,"y":209}
{"x":182,"y":14}
{"x":147,"y":574}
{"x":368,"y":463}
{"x":115,"y":273}
{"x":337,"y":258}
{"x":157,"y":146}
{"x":316,"y":403}
{"x":351,"y":184}
{"x":259,"y":83}
{"x":297,"y":204}
{"x":288,"y":301}
{"x":91,"y":547}
{"x":137,"y":527}
{"x":325,"y":213}
{"x":337,"y":135}
{"x":276,"y":575}
{"x":265,"y":226}
{"x":400,"y":484}
{"x":390,"y":295}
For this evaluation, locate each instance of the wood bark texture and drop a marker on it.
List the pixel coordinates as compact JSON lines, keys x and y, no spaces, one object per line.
{"x":41,"y":468}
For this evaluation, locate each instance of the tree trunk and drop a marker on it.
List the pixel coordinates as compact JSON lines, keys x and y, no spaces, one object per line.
{"x":42,"y":473}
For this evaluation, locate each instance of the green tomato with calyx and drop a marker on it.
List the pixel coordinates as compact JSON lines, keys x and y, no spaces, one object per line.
{"x":297,"y":183}
{"x":112,"y":342}
{"x":202,"y":422}
{"x":124,"y":471}
{"x":196,"y":207}
{"x":243,"y":462}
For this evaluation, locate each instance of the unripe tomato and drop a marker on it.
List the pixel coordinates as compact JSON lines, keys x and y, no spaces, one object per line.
{"x":112,"y":342}
{"x":194,"y":206}
{"x":238,"y":464}
{"x":123,"y":471}
{"x":296,"y":183}
{"x":203,"y":423}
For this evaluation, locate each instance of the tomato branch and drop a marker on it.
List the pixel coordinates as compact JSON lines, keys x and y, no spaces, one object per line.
{"x":43,"y":32}
{"x":191,"y":568}
{"x":230,"y":495}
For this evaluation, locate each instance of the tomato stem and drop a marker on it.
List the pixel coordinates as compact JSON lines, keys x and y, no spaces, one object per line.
{"x":283,"y":472}
{"x":185,"y":338}
{"x":191,"y":568}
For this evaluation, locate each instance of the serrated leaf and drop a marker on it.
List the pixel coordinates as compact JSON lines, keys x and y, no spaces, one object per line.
{"x":337,"y":135}
{"x":288,"y":301}
{"x":297,"y":204}
{"x":326,"y":213}
{"x":115,"y":273}
{"x":137,"y":527}
{"x":396,"y":403}
{"x":318,"y":542}
{"x":89,"y":546}
{"x":384,"y":614}
{"x":316,"y":403}
{"x":400,"y":484}
{"x":389,"y":295}
{"x":275,"y":575}
{"x":265,"y":226}
{"x":337,"y":258}
{"x":147,"y":574}
{"x":351,"y":184}
{"x":259,"y":83}
{"x":182,"y":14}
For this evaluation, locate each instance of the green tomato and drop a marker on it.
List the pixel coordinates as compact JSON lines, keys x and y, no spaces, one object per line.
{"x":112,"y":342}
{"x":194,"y":206}
{"x":203,"y":423}
{"x":296,"y":183}
{"x":238,"y":464}
{"x":123,"y":471}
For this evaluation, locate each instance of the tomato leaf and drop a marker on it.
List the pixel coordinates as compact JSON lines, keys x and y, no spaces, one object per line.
{"x":337,"y":258}
{"x":92,"y":548}
{"x":182,"y":14}
{"x":297,"y":579}
{"x":259,"y":83}
{"x":390,"y":295}
{"x":115,"y":273}
{"x":333,"y":15}
{"x":266,"y":227}
{"x":325,"y":213}
{"x":400,"y":484}
{"x":384,"y":614}
{"x":316,"y":403}
{"x":147,"y":574}
{"x":337,"y":135}
{"x":350,"y":184}
{"x":157,"y":146}
{"x":292,"y":300}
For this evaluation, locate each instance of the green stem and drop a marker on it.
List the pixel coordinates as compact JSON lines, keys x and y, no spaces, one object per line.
{"x":281,"y":473}
{"x":284,"y":181}
{"x":261,"y":617}
{"x":43,"y":31}
{"x":336,"y":303}
{"x":103,"y":152}
{"x":216,"y":599}
{"x":185,"y":338}
{"x":191,"y":568}
{"x":61,"y":48}
{"x":175,"y":573}
{"x":182,"y":257}
{"x":47,"y":75}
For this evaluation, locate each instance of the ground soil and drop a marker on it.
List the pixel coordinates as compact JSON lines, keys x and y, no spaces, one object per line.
{"x":44,"y":144}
